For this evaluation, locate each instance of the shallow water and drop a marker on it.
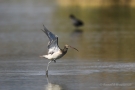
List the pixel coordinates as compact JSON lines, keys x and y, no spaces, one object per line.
{"x":65,"y":74}
{"x":106,"y":47}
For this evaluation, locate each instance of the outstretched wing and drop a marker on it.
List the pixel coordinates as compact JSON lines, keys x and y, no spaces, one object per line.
{"x":53,"y":41}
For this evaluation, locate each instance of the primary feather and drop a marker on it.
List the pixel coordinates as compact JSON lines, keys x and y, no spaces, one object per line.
{"x":53,"y":41}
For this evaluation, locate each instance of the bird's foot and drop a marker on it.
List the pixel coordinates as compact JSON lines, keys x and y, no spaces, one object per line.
{"x":47,"y":73}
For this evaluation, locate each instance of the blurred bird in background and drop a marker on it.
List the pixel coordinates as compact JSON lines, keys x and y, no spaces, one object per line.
{"x":76,"y":22}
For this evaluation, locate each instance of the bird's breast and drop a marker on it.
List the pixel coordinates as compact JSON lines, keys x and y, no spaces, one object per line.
{"x":55,"y":55}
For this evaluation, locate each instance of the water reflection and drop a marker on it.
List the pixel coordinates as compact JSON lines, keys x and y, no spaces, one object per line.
{"x":77,"y":33}
{"x":51,"y":86}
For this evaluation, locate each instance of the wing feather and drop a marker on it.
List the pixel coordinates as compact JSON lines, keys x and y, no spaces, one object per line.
{"x":53,"y":41}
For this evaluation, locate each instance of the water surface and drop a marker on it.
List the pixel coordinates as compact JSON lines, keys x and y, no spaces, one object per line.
{"x":106,"y":47}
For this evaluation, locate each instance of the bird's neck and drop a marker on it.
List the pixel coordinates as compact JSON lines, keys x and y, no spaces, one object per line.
{"x":64,"y":50}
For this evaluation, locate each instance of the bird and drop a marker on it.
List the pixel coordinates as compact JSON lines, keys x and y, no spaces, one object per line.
{"x":54,"y":51}
{"x":76,"y":22}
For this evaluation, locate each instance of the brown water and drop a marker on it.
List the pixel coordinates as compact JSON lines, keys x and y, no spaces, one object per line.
{"x":106,"y":47}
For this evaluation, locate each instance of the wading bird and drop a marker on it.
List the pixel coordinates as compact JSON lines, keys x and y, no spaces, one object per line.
{"x":54,"y":51}
{"x":76,"y":22}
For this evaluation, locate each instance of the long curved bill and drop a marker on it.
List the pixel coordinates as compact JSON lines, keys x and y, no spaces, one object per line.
{"x":73,"y":48}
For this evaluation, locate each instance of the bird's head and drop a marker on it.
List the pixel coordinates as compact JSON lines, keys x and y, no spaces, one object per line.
{"x":68,"y":46}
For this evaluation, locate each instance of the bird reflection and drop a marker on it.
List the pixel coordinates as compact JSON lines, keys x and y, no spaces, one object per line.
{"x":51,"y":86}
{"x":77,"y":32}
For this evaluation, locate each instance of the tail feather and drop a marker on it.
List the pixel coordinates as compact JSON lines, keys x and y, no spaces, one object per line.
{"x":43,"y":56}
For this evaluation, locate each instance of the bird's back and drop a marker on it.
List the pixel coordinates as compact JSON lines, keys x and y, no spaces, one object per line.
{"x":78,"y":23}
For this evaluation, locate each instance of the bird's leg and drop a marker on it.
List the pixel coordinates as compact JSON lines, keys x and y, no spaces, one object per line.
{"x":54,"y":61}
{"x":47,"y":79}
{"x":47,"y":68}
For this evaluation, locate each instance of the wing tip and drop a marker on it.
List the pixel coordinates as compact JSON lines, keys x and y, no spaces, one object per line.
{"x":45,"y":29}
{"x":43,"y":25}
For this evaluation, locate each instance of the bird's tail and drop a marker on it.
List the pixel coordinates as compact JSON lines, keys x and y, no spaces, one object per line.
{"x":43,"y":56}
